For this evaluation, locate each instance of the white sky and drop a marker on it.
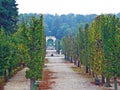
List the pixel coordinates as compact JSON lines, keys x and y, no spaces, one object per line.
{"x":69,"y":6}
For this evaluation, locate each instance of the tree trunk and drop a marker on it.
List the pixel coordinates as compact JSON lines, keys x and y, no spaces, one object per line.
{"x":74,"y":61}
{"x":107,"y":84}
{"x":9,"y":72}
{"x":32,"y":81}
{"x":71,"y":60}
{"x":65,"y":57}
{"x":78,"y":64}
{"x":97,"y":81}
{"x":93,"y":74}
{"x":103,"y":79}
{"x":115,"y":82}
{"x":87,"y":69}
{"x":89,"y":72}
{"x":6,"y":76}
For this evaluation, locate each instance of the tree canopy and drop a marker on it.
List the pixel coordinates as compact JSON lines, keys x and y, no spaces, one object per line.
{"x":8,"y":15}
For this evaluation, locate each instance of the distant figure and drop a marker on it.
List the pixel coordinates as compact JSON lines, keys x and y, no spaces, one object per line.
{"x":52,"y":55}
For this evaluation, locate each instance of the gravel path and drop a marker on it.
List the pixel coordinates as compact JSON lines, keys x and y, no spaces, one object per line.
{"x":66,"y":78}
{"x":18,"y":82}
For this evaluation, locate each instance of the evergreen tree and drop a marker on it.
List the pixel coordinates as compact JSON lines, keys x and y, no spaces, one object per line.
{"x":4,"y":53}
{"x":8,"y":15}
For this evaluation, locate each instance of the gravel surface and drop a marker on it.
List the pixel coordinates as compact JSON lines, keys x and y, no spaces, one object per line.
{"x":18,"y":82}
{"x":66,"y":78}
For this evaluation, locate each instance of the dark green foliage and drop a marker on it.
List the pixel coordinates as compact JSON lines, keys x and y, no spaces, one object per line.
{"x":81,"y":45}
{"x":60,"y":25}
{"x":36,"y":45}
{"x":58,"y":45}
{"x":8,"y":15}
{"x":36,"y":48}
{"x":8,"y":55}
{"x":110,"y":35}
{"x":4,"y":52}
{"x":24,"y":47}
{"x":66,"y":46}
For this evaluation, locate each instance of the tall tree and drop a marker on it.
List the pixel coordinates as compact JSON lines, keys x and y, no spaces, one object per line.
{"x":8,"y":15}
{"x":4,"y":53}
{"x":81,"y":45}
{"x":110,"y":38}
{"x":36,"y":47}
{"x":86,"y":47}
{"x":97,"y":47}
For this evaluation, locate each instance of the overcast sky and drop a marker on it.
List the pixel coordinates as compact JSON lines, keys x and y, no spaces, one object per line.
{"x":69,"y":6}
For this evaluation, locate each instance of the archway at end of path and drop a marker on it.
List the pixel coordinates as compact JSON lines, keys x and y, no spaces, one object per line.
{"x":50,"y":42}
